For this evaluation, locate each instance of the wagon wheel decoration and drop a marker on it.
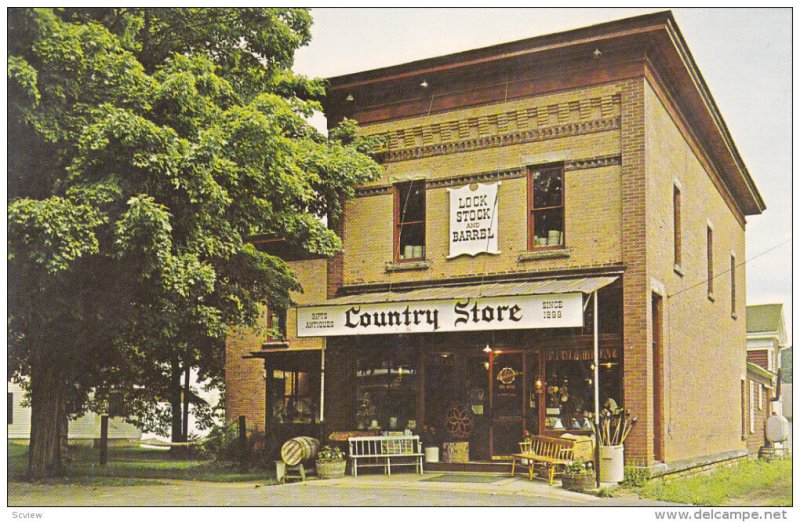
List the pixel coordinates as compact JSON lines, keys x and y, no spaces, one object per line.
{"x":458,"y":421}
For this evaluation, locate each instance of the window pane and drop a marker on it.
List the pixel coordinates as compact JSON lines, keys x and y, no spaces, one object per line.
{"x":547,"y":188}
{"x":570,"y":392}
{"x":548,"y":227}
{"x":412,"y":241}
{"x":412,"y":201}
{"x":386,"y":388}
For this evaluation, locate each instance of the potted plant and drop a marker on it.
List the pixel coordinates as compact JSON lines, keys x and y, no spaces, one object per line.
{"x":330,"y":463}
{"x":430,"y":442}
{"x":577,"y":477}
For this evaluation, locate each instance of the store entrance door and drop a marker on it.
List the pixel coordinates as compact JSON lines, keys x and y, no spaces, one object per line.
{"x":507,"y":402}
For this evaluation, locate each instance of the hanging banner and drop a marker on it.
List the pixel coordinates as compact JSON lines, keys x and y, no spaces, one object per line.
{"x":473,"y":220}
{"x":445,"y":315}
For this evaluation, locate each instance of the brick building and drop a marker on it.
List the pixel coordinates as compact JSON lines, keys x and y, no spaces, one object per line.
{"x":526,"y":185}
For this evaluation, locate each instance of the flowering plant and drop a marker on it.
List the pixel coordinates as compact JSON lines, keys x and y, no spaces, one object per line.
{"x":330,"y":454}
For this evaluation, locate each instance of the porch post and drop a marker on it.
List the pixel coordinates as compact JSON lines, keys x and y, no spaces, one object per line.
{"x":322,"y":386}
{"x":596,"y":394}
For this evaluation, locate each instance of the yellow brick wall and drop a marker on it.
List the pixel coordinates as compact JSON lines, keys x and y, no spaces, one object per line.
{"x":592,"y":197}
{"x":244,"y":378}
{"x":704,"y":346}
{"x":312,"y":275}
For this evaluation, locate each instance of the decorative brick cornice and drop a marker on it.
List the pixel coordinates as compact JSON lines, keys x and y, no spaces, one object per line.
{"x":522,"y":125}
{"x":594,"y":163}
{"x":502,"y":140}
{"x":496,"y":175}
{"x":373,"y":191}
{"x":479,"y":177}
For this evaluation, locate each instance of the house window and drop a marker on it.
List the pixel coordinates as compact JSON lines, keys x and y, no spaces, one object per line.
{"x":733,"y":286}
{"x":676,"y":223}
{"x":293,"y":397}
{"x":752,"y":407}
{"x":743,"y":397}
{"x":546,"y":208}
{"x":276,"y":322}
{"x":10,"y":409}
{"x":710,"y":261}
{"x":409,"y":220}
{"x":760,"y":396}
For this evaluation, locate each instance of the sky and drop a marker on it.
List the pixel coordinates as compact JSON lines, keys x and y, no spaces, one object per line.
{"x":744,"y":55}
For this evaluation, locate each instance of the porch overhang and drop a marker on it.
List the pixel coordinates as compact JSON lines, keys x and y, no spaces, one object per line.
{"x":549,"y":303}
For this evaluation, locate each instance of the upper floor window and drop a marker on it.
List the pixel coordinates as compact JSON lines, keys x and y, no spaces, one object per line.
{"x":676,"y":223}
{"x":710,"y":260}
{"x":276,"y":322}
{"x":733,"y":285}
{"x":546,"y":208}
{"x":409,"y":221}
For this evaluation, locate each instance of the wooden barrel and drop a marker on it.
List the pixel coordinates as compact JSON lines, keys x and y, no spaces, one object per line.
{"x":299,"y":449}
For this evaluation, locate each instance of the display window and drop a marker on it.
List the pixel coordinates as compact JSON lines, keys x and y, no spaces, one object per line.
{"x":386,"y":388}
{"x":567,"y":389}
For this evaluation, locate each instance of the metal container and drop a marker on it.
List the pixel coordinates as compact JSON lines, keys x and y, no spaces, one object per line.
{"x":612,"y":463}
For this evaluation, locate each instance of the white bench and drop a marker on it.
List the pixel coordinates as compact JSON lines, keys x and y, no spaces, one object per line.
{"x":385,"y":452}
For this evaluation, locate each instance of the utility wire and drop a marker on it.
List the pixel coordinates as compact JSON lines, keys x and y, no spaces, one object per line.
{"x":728,"y":270}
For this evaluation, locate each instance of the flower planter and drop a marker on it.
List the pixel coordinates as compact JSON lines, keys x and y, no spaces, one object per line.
{"x":330,"y":470}
{"x":579,"y":482}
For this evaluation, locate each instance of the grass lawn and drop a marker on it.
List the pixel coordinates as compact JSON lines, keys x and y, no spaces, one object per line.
{"x":133,"y":465}
{"x":751,"y":483}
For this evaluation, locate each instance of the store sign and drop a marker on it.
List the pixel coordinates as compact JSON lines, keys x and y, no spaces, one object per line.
{"x":473,"y":220}
{"x":445,"y":315}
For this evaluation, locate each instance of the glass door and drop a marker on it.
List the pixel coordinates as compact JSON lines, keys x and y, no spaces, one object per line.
{"x":508,"y":397}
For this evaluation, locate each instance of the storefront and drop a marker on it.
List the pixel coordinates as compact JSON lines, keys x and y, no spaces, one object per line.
{"x":521,"y":180}
{"x":477,"y":369}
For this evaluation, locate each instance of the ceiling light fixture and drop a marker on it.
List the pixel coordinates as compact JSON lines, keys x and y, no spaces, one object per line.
{"x":424,"y":84}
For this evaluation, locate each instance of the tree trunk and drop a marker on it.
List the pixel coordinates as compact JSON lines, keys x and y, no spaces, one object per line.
{"x":48,"y":416}
{"x":186,"y":404}
{"x":176,"y":403}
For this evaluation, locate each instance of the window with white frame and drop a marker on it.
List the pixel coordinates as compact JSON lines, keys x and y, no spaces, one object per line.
{"x":752,"y":407}
{"x":760,"y":396}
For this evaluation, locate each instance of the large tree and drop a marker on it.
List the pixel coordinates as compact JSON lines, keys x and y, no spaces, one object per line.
{"x":145,"y":147}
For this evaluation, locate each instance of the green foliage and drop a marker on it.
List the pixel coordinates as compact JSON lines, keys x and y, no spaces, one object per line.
{"x":636,"y":476}
{"x":330,"y":454}
{"x":769,"y":481}
{"x":577,"y":467}
{"x":148,"y":145}
{"x":128,"y":466}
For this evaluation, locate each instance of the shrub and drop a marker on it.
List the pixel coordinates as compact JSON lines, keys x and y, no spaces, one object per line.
{"x":636,"y":476}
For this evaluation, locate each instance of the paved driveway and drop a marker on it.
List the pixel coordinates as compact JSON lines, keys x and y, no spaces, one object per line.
{"x":397,"y":490}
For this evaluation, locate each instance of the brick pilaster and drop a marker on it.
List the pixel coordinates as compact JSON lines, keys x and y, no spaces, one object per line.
{"x":637,"y":382}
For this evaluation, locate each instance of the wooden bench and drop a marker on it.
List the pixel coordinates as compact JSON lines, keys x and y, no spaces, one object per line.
{"x":385,"y":452}
{"x":547,"y":451}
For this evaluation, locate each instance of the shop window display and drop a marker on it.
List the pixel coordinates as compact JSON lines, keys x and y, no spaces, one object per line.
{"x":293,"y":399}
{"x":386,"y":389}
{"x":569,"y":393}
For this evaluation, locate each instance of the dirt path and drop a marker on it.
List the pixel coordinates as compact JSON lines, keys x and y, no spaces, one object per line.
{"x":314,"y":493}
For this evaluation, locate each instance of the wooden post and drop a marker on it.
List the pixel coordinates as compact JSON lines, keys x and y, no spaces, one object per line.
{"x":243,"y":449}
{"x":103,"y":439}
